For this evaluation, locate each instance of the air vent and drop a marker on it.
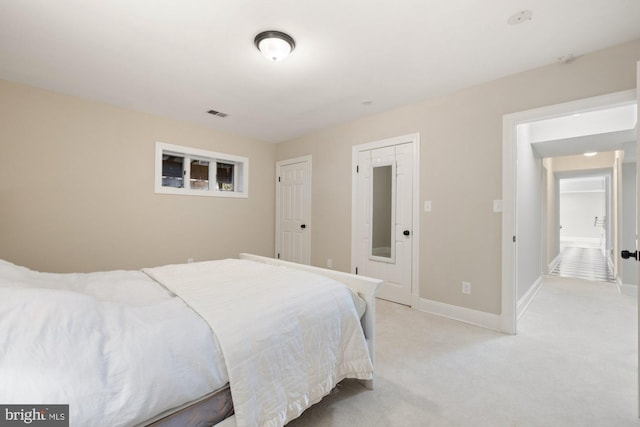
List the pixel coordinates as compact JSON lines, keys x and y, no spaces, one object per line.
{"x":217,"y":113}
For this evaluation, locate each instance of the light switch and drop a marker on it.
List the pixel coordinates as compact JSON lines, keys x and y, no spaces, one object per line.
{"x":497,"y":205}
{"x":427,"y":205}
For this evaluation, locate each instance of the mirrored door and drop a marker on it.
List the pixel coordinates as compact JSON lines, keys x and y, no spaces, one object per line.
{"x":383,"y":210}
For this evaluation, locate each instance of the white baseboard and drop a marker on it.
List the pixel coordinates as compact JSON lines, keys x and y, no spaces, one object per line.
{"x":553,"y":263}
{"x":523,"y":303}
{"x":590,"y":242}
{"x":626,"y":289}
{"x":462,"y":314}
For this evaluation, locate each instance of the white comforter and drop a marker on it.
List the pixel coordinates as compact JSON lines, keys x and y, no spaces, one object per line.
{"x":92,"y":341}
{"x":288,"y":336}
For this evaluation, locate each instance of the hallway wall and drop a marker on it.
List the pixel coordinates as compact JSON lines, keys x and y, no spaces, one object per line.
{"x":616,"y":214}
{"x":529,"y":207}
{"x":578,"y":211}
{"x":551,"y":220}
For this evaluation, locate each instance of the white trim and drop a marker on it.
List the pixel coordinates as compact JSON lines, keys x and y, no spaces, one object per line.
{"x":593,"y":241}
{"x":279,"y":164}
{"x":626,"y":289}
{"x":610,"y":262}
{"x":414,"y":139}
{"x":553,"y":263}
{"x":523,"y":303}
{"x":462,"y":314}
{"x":508,"y":319}
{"x":509,"y":215}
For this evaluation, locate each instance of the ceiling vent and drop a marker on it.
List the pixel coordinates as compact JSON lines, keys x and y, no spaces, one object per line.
{"x":217,"y":113}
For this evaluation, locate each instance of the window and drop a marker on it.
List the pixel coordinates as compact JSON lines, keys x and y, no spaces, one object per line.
{"x":199,"y":175}
{"x":191,"y":171}
{"x":172,"y":171}
{"x":225,"y":176}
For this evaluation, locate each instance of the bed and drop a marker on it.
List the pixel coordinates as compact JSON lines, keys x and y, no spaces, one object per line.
{"x":247,"y":341}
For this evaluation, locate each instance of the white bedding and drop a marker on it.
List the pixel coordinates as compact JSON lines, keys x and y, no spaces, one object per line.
{"x":62,"y":342}
{"x":297,"y":352}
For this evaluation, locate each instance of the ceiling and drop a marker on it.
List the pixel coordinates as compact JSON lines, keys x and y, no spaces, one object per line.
{"x":181,"y":58}
{"x":607,"y":129}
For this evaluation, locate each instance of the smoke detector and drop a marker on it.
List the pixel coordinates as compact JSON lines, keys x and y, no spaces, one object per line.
{"x":520,"y":17}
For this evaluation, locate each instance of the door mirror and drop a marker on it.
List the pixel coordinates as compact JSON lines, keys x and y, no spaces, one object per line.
{"x":382,"y":239}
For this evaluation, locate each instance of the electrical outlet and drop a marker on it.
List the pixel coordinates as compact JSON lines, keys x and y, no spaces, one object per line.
{"x":189,"y":260}
{"x":329,"y":263}
{"x":466,"y":288}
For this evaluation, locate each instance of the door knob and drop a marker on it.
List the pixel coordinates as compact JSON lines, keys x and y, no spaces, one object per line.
{"x":406,"y":232}
{"x":303,"y":226}
{"x":626,"y":254}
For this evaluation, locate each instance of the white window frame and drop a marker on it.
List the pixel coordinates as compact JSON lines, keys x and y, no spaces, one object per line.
{"x":240,"y":171}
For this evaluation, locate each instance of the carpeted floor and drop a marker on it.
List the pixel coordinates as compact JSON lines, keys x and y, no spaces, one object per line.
{"x":573,"y":363}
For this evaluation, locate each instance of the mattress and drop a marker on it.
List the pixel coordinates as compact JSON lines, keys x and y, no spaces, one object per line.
{"x":110,"y":343}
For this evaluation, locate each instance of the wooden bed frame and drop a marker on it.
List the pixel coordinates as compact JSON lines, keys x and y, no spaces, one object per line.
{"x":365,"y":287}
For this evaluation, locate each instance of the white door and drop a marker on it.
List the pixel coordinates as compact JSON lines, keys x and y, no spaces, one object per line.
{"x":384,"y":219}
{"x":638,"y":200}
{"x":293,"y":210}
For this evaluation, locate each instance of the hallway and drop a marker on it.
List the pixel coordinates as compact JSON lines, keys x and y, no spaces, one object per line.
{"x":583,"y":263}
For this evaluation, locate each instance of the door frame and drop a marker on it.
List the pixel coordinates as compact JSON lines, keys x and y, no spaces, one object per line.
{"x":508,"y":318}
{"x":413,"y":139}
{"x":607,"y":173}
{"x":279,"y":165}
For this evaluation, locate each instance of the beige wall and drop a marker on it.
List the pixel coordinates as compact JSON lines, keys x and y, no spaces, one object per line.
{"x":579,"y":163}
{"x":76,"y":188}
{"x":461,"y":170}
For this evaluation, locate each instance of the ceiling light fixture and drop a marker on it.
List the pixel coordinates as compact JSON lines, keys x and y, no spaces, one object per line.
{"x":590,"y":154}
{"x":275,"y":45}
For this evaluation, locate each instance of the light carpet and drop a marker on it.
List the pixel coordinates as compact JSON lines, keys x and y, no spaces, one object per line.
{"x":573,"y":363}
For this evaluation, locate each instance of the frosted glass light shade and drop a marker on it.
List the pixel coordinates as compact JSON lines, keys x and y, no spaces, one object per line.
{"x":274,"y":45}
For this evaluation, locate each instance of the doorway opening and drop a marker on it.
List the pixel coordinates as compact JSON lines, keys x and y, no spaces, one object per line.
{"x":529,"y":137}
{"x":585,"y":228}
